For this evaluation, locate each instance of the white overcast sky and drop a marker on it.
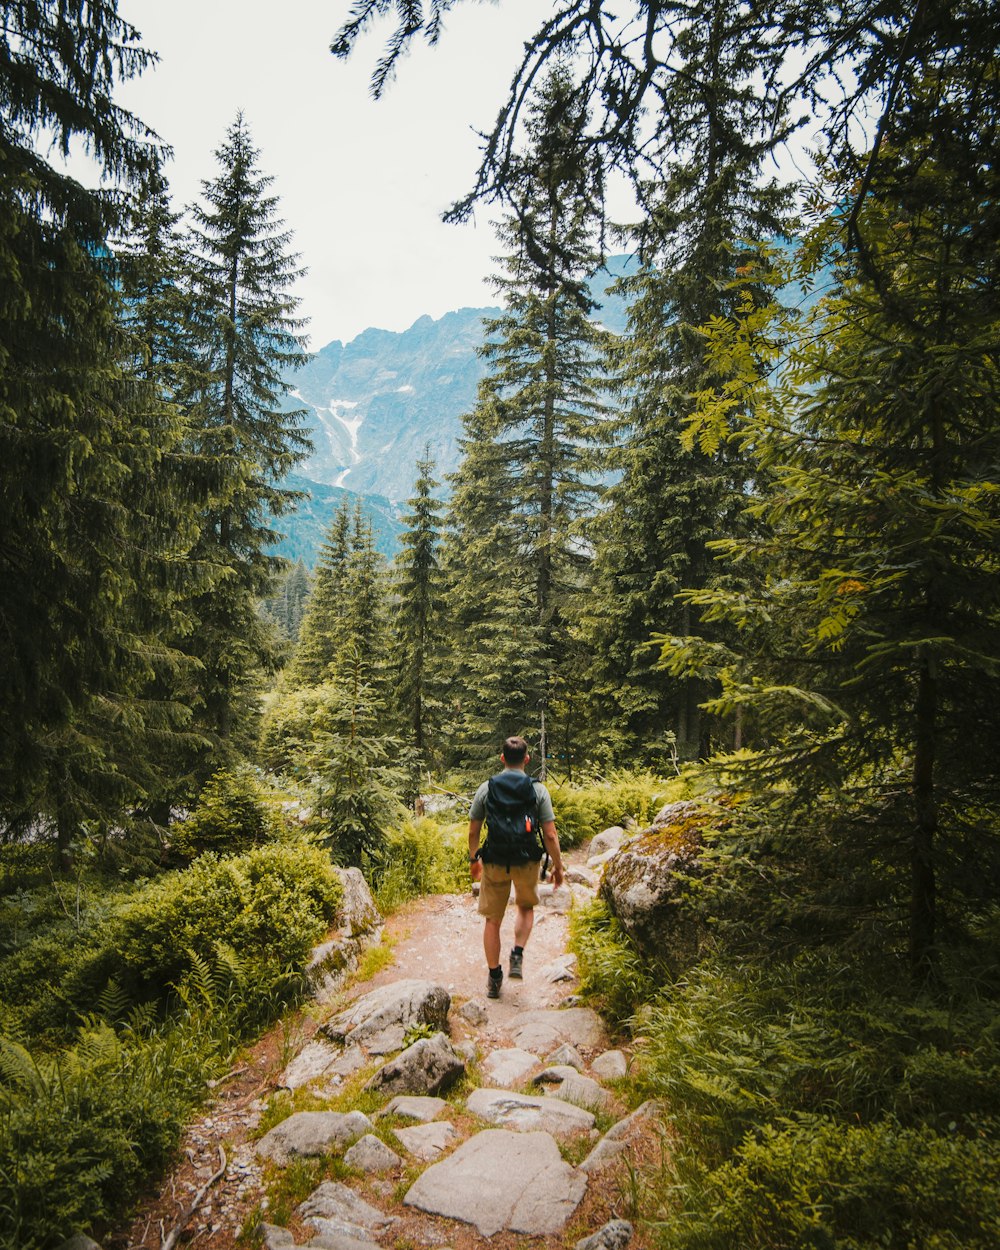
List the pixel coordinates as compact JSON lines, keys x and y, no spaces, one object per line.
{"x":362,"y":184}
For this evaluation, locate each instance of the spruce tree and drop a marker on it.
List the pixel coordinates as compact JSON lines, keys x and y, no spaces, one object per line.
{"x":246,"y":336}
{"x":668,"y":501}
{"x":417,"y":624}
{"x":526,"y":476}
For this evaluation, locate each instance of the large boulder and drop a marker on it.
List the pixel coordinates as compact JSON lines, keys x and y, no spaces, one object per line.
{"x":380,"y":1018}
{"x":427,"y":1067}
{"x":643,"y":885}
{"x":358,"y":913}
{"x":360,"y":923}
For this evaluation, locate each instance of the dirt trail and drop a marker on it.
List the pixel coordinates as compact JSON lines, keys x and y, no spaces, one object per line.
{"x":437,"y":938}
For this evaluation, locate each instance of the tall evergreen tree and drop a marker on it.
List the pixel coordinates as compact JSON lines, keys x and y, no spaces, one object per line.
{"x":84,"y":556}
{"x":243,"y":322}
{"x":418,"y":627}
{"x":526,"y":476}
{"x":882,"y":589}
{"x":668,"y":501}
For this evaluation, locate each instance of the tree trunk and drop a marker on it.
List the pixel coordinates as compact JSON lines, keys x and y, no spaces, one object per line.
{"x":922,"y":882}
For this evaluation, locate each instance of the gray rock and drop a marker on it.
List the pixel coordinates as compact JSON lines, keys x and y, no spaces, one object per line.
{"x":509,"y":1067}
{"x":426,"y":1141}
{"x":566,"y":1054}
{"x":401,"y":1003}
{"x":644,"y":888}
{"x":615,"y":1235}
{"x":331,"y":963}
{"x":80,"y":1241}
{"x":605,"y":1152}
{"x":544,"y":1029}
{"x":556,"y":899}
{"x":555,"y":1074}
{"x":339,"y":1241}
{"x":581,"y":1091}
{"x":473,"y":1012}
{"x":351,"y":1060}
{"x":468,"y":1050}
{"x":334,"y":1210}
{"x":275,"y":1238}
{"x":310,"y":1063}
{"x":413,"y":1107}
{"x":624,"y":1127}
{"x":527,"y":1113}
{"x":609,"y":840}
{"x":672,"y":813}
{"x":611,"y":1065}
{"x":369,"y":1154}
{"x":427,"y":1067}
{"x":386,"y":1041}
{"x":580,"y":876}
{"x":539,"y":1193}
{"x":358,"y":913}
{"x":310,"y":1133}
{"x":597,"y":862}
{"x":560,"y":969}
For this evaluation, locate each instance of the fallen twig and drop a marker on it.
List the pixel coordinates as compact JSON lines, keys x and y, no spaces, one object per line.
{"x":172,"y":1238}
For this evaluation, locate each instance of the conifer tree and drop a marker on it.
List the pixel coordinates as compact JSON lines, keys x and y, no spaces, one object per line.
{"x":882,"y":589}
{"x":667,"y":501}
{"x":417,"y":627}
{"x":525,"y":479}
{"x":246,"y":334}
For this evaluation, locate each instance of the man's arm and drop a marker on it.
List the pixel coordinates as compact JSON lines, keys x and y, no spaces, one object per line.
{"x":475,"y":865}
{"x":551,"y":845}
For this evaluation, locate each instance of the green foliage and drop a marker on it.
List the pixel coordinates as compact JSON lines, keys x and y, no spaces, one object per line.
{"x":419,"y":857}
{"x":584,"y":809}
{"x":231,"y":816}
{"x":815,"y":1105}
{"x":613,"y":975}
{"x":848,"y":1187}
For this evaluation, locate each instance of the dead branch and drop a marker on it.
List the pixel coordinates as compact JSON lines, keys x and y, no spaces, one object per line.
{"x":171,"y":1240}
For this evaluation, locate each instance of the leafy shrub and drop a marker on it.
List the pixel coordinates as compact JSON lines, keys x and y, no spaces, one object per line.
{"x":585,"y":810}
{"x":80,"y":1131}
{"x":419,"y":857}
{"x":846,"y":1187}
{"x":613,"y":975}
{"x":231,"y":816}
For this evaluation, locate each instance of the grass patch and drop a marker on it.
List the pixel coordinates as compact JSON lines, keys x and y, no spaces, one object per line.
{"x":289,"y":1186}
{"x":375,"y":959}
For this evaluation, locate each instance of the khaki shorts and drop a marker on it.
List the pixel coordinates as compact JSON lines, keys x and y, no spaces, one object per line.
{"x":494,"y":890}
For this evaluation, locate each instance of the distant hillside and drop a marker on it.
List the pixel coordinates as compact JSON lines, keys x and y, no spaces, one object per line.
{"x":306,"y":528}
{"x":377,"y":401}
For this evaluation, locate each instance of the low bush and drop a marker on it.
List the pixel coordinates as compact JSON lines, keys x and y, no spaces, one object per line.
{"x":613,"y":975}
{"x":585,"y":810}
{"x":421,"y":856}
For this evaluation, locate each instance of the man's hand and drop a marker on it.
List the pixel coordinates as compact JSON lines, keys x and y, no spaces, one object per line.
{"x":476,"y":869}
{"x":557,"y":875}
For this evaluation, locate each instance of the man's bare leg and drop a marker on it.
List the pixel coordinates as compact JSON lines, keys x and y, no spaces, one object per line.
{"x":491,"y":942}
{"x":522,"y":927}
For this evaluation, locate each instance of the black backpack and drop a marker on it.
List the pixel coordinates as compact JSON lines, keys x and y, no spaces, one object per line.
{"x":512,"y":825}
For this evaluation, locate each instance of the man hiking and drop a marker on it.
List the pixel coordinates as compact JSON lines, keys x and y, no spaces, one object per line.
{"x":515,"y":809}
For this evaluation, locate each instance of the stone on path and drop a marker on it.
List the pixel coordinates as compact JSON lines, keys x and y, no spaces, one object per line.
{"x":509,"y":1067}
{"x":566,"y":1054}
{"x":473,"y":1012}
{"x":614,"y":1140}
{"x":538,"y":1192}
{"x":609,"y":840}
{"x":427,"y":1067}
{"x":312,"y":1133}
{"x":350,"y":1061}
{"x":610,"y":1065}
{"x":389,"y":1011}
{"x":426,"y":1141}
{"x":275,"y":1238}
{"x":615,"y":1235}
{"x":560,"y":969}
{"x":527,"y":1114}
{"x":581,"y":1091}
{"x":545,"y":1028}
{"x":334,"y":1209}
{"x":580,"y":876}
{"x":624,"y":1127}
{"x":598,"y":861}
{"x":556,"y":899}
{"x":415,"y":1107}
{"x":311,"y":1062}
{"x":555,"y":1074}
{"x":80,"y":1241}
{"x":370,"y":1154}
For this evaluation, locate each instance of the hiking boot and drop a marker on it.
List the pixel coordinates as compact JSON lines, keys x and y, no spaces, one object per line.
{"x":493,"y":985}
{"x":516,"y":965}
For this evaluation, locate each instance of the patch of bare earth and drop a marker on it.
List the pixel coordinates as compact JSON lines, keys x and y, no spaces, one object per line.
{"x":437,"y":938}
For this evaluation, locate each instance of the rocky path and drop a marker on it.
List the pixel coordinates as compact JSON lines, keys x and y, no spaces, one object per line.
{"x":418,"y":1114}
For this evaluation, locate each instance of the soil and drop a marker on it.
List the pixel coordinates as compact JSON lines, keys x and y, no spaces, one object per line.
{"x":437,"y":938}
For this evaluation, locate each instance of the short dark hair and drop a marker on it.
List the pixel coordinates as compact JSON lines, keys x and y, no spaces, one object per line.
{"x":514,"y":750}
